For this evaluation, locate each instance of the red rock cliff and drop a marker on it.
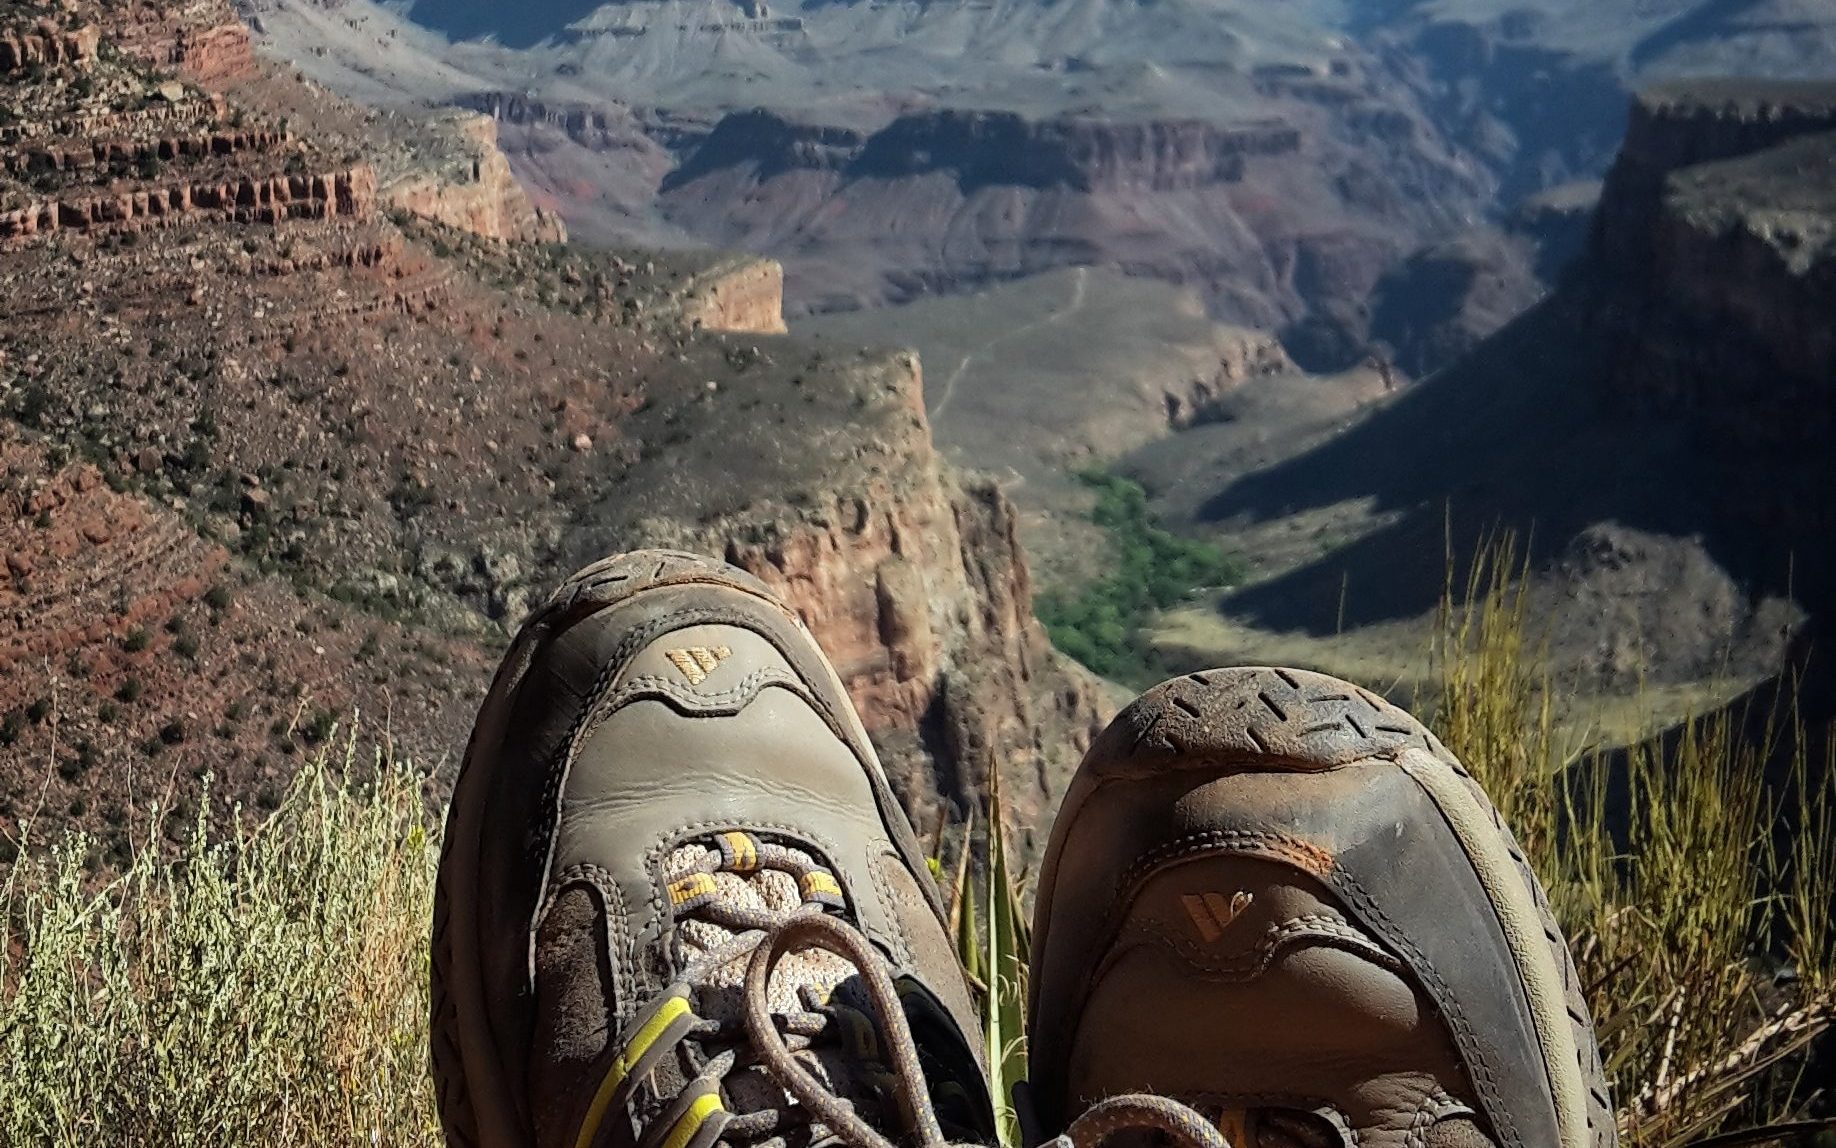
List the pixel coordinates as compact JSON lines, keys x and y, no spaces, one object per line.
{"x":913,"y":581}
{"x":472,"y":188}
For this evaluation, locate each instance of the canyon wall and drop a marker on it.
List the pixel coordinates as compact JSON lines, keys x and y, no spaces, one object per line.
{"x":1294,"y":204}
{"x":913,"y":581}
{"x":1710,"y":281}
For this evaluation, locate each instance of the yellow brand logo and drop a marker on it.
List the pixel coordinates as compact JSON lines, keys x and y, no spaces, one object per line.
{"x":697,"y":662}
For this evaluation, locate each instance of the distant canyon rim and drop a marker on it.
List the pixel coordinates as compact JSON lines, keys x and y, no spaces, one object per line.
{"x":1384,"y":179}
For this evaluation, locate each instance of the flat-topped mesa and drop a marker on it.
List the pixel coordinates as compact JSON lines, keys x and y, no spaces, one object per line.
{"x":983,"y":147}
{"x":742,"y":295}
{"x":47,"y":46}
{"x":1686,"y":124}
{"x":346,"y":193}
{"x":1083,"y":154}
{"x":1712,"y":276}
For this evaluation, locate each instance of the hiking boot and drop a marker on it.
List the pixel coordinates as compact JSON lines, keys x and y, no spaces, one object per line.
{"x":1276,"y":898}
{"x":678,"y":904}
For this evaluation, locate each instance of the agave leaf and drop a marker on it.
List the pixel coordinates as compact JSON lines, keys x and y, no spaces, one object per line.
{"x":1004,"y":1005}
{"x":962,"y":910}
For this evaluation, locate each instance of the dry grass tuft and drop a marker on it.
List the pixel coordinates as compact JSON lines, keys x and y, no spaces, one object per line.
{"x":1696,"y":897}
{"x":263,"y":988}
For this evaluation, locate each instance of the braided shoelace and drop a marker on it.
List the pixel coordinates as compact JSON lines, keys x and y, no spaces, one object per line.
{"x":698,"y":1117}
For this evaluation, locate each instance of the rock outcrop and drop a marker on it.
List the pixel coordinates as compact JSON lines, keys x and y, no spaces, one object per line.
{"x":47,"y":45}
{"x":1710,"y":280}
{"x":1676,"y":127}
{"x":737,"y":295}
{"x":125,"y":153}
{"x":350,"y":193}
{"x":1718,"y":228}
{"x":470,"y":186}
{"x":201,"y":40}
{"x":915,"y":584}
{"x":1195,"y":397}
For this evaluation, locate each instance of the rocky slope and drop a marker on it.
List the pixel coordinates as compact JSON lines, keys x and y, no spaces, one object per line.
{"x":299,"y":423}
{"x":137,"y":656}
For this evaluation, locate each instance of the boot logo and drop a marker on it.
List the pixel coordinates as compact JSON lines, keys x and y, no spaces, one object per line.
{"x":1212,"y":913}
{"x":697,"y":662}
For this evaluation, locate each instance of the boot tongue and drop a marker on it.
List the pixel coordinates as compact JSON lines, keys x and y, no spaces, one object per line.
{"x":765,"y":890}
{"x":813,"y":981}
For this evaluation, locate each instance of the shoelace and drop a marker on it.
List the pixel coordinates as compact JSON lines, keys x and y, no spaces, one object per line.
{"x":1140,"y":1111}
{"x":698,"y":1118}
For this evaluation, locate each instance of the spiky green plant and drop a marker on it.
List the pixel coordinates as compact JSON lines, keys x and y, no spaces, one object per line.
{"x":990,"y":926}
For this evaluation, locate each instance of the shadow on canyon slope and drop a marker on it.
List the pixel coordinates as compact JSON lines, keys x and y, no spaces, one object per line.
{"x":1517,"y":435}
{"x":1710,"y":20}
{"x":521,"y":25}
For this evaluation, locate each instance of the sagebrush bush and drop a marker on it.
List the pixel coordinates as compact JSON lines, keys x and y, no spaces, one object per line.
{"x":264,"y":987}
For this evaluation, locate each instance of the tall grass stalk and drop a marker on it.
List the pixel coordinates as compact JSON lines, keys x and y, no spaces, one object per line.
{"x":266,"y":987}
{"x":1666,"y":865}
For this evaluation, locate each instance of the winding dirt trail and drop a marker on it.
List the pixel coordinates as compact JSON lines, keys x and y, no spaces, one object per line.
{"x":1075,"y":304}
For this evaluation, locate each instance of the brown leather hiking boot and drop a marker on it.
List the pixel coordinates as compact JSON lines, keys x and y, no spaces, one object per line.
{"x":678,"y":904}
{"x":1276,"y":898}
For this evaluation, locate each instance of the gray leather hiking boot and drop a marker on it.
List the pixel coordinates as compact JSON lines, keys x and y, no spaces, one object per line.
{"x":678,"y":905}
{"x":1276,"y":898}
